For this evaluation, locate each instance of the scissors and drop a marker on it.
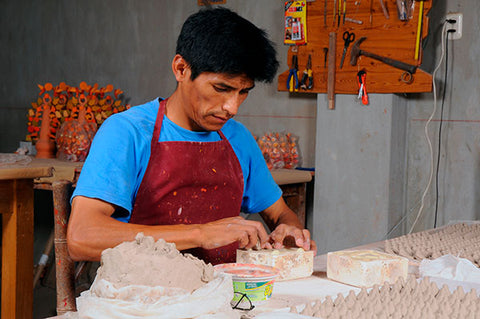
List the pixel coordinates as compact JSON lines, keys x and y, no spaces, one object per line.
{"x":292,"y":80}
{"x":348,"y":38}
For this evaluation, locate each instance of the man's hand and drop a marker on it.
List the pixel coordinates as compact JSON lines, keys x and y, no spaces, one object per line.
{"x":233,"y":229}
{"x":291,"y":236}
{"x":287,"y":229}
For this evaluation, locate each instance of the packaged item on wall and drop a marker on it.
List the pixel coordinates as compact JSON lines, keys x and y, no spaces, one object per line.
{"x":295,"y":23}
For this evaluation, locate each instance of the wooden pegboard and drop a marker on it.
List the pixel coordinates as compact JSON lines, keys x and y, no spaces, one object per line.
{"x":390,"y":38}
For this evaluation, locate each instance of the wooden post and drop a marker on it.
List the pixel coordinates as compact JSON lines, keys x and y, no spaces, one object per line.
{"x":65,"y":267}
{"x":332,"y":42}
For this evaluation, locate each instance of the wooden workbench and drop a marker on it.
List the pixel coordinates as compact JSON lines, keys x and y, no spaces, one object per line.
{"x":62,"y":170}
{"x":16,"y":208}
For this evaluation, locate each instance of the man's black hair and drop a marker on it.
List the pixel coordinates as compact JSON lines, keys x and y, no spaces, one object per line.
{"x":220,"y":41}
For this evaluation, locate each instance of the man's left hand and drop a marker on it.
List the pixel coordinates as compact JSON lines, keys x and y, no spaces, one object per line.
{"x":291,"y":236}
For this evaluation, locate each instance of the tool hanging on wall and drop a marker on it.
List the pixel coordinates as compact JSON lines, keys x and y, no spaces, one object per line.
{"x":332,"y":43}
{"x":404,"y":9}
{"x":334,"y":11}
{"x":348,"y":37}
{"x":339,"y":12}
{"x":419,"y":31}
{"x":362,"y":85}
{"x":353,"y":20}
{"x":384,"y":9}
{"x":307,"y":78}
{"x":292,"y":80}
{"x":356,"y":52}
{"x":325,"y":56}
{"x":371,"y":11}
{"x":325,"y":13}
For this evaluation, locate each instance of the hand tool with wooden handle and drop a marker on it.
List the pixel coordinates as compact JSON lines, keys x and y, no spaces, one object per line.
{"x":332,"y":42}
{"x":384,"y":9}
{"x":334,"y":11}
{"x":356,"y":52}
{"x":325,"y":13}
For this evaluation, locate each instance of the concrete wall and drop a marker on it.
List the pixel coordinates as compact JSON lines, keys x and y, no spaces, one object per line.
{"x":373,"y":163}
{"x":129,"y":44}
{"x":459,"y":147}
{"x":357,"y":150}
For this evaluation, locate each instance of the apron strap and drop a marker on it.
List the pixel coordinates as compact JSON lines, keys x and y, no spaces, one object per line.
{"x":158,"y":123}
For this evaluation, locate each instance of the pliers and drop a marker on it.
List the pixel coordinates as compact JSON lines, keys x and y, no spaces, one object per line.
{"x":307,"y":79}
{"x":292,"y":75}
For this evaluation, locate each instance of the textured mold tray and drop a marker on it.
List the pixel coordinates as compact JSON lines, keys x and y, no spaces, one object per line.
{"x":460,"y":240}
{"x":404,"y":299}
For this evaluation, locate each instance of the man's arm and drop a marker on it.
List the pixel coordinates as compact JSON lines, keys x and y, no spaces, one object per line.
{"x":287,"y":229}
{"x":91,"y":229}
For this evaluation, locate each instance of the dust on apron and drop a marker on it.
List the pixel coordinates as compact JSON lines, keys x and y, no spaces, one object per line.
{"x":190,"y":183}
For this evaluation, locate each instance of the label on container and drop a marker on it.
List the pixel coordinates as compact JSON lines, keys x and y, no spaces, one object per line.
{"x":255,"y":291}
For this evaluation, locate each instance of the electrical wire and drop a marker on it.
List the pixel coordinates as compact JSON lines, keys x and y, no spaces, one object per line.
{"x":427,"y":188}
{"x":401,"y":220}
{"x":439,"y":149}
{"x":440,"y":131}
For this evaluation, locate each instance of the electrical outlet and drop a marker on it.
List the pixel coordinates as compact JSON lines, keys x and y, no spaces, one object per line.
{"x":457,"y":25}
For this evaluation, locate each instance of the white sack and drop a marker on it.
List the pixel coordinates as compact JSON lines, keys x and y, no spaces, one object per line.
{"x":212,"y":300}
{"x":450,"y":267}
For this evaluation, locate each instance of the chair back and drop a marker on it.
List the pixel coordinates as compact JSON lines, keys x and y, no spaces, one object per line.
{"x":64,"y":265}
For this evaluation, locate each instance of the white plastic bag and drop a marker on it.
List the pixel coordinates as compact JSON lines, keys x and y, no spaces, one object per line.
{"x":450,"y":267}
{"x":212,"y":300}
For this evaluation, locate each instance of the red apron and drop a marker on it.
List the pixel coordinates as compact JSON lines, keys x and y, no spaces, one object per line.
{"x":190,"y":183}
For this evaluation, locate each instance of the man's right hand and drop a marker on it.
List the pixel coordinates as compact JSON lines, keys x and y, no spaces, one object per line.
{"x":233,"y":229}
{"x":91,"y":229}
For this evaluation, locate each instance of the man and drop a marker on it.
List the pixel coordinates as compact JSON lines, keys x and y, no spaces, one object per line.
{"x":181,"y":168}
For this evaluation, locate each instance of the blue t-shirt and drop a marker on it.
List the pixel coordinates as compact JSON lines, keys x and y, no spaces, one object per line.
{"x":120,"y":152}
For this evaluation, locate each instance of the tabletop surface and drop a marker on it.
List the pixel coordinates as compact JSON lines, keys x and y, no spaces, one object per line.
{"x":51,"y":169}
{"x":290,"y":176}
{"x":22,"y":167}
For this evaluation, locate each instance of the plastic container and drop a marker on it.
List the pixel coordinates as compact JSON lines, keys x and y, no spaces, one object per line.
{"x":252,"y":284}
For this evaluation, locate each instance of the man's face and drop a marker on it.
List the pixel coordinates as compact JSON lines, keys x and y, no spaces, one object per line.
{"x":212,"y":99}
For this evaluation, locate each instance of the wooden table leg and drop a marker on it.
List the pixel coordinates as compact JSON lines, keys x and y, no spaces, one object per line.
{"x":294,"y":196}
{"x":16,"y":207}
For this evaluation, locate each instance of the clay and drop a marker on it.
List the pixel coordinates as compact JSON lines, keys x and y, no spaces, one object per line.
{"x":365,"y":268}
{"x":148,"y":279}
{"x":460,"y":240}
{"x":150,"y":263}
{"x":292,"y":263}
{"x":408,"y":299}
